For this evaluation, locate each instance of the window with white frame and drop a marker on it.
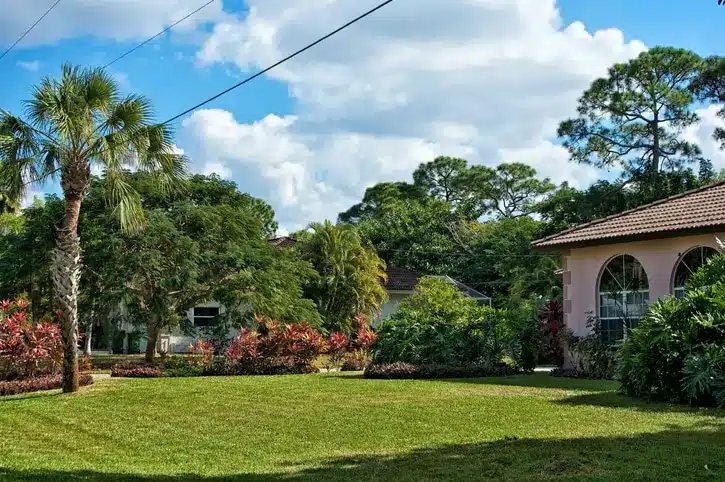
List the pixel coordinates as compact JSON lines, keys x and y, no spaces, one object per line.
{"x":205,"y":315}
{"x":687,"y":266}
{"x":623,"y":296}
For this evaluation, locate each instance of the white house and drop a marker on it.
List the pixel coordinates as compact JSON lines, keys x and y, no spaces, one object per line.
{"x":402,"y":282}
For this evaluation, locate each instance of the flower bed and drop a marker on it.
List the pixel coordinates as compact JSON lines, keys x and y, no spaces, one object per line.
{"x":430,"y":371}
{"x":27,"y":385}
{"x":273,"y":349}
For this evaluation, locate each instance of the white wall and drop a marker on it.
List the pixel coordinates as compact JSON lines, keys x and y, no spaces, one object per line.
{"x":391,"y":306}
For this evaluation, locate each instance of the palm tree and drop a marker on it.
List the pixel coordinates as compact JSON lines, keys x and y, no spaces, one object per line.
{"x":71,"y":124}
{"x":351,"y":275}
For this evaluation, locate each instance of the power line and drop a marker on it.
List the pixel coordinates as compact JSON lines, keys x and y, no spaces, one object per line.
{"x":280,"y":62}
{"x":28,"y":30}
{"x":158,"y":34}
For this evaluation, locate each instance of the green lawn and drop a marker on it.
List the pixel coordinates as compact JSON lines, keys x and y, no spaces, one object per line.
{"x":333,"y":427}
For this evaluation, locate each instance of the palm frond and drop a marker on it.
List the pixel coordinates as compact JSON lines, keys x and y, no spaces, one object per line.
{"x":124,"y":199}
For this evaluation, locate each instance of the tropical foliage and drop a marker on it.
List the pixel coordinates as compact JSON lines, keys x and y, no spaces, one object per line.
{"x":438,"y":325}
{"x":351,"y":275}
{"x":676,"y":352}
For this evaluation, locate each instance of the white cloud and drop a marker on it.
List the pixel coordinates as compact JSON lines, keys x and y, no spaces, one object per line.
{"x":701,"y":134}
{"x":216,"y":168}
{"x":119,"y":20}
{"x":487,"y":80}
{"x":30,"y":66}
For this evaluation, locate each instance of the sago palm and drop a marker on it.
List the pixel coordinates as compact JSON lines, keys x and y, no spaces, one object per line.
{"x":73,"y":123}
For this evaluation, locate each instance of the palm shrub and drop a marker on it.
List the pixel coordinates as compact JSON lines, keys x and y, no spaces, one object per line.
{"x":677,"y":352}
{"x":351,"y":275}
{"x":73,"y":123}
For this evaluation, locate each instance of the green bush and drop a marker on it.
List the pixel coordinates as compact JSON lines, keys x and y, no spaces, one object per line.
{"x":439,"y":326}
{"x":677,"y":353}
{"x":591,"y":357}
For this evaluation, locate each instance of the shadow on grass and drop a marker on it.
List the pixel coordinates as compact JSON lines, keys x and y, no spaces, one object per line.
{"x":670,"y":455}
{"x":543,"y":380}
{"x":617,"y":400}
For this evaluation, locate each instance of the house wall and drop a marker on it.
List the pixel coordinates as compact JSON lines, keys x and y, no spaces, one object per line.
{"x":175,"y":341}
{"x":391,"y":306}
{"x":659,"y":258}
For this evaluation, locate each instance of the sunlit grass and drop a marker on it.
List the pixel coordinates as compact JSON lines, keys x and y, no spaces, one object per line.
{"x":343,"y":427}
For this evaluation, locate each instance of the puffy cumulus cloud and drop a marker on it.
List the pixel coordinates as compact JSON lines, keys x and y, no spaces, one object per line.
{"x":114,"y":19}
{"x":702,"y":135}
{"x":487,"y":80}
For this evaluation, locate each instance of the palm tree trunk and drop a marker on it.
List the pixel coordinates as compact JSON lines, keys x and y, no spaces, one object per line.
{"x":66,"y":271}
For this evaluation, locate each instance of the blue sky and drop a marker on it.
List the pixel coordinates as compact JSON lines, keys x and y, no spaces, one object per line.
{"x":415,"y":80}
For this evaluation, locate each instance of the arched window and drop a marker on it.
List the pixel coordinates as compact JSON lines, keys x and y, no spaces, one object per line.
{"x":623,"y":296}
{"x":687,"y":266}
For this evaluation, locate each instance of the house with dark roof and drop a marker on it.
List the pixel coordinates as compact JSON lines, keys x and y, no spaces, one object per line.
{"x":402,"y":282}
{"x":614,"y":267}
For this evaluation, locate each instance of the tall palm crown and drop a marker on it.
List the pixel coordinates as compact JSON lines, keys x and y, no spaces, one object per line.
{"x":71,"y":124}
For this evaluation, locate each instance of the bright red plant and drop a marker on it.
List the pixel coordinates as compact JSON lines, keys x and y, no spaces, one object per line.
{"x":551,"y":326}
{"x":202,"y":353}
{"x":274,"y":345}
{"x":27,"y":350}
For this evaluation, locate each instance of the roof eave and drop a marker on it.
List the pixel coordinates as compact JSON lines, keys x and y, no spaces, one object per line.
{"x":587,"y":243}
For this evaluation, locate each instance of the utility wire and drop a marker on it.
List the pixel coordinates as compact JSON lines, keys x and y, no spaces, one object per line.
{"x":280,"y":62}
{"x":158,"y":34}
{"x":28,"y":30}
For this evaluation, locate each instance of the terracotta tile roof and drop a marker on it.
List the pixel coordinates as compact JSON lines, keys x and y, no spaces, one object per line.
{"x":283,"y":242}
{"x":701,"y":208}
{"x":401,"y":279}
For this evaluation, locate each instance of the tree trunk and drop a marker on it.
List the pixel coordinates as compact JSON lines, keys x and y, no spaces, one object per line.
{"x":66,"y":272}
{"x":89,"y":333}
{"x":153,"y":335}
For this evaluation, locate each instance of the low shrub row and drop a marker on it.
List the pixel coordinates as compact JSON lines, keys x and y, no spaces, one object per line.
{"x":272,"y":349}
{"x":27,"y":385}
{"x":402,"y":370}
{"x":135,"y":372}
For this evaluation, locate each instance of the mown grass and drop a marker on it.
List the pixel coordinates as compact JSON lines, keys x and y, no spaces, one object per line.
{"x":343,"y":427}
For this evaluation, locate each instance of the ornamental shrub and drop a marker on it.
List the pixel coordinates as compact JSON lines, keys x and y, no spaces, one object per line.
{"x":27,"y":385}
{"x":591,"y":357}
{"x":275,"y":348}
{"x":202,"y":352}
{"x":27,"y":350}
{"x":677,"y":352}
{"x":552,"y":332}
{"x":432,"y":371}
{"x":135,"y":372}
{"x":438,"y":325}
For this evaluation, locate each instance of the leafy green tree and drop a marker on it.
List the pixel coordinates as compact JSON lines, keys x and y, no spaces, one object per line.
{"x":201,"y":190}
{"x":73,"y":123}
{"x":514,"y":189}
{"x":378,"y":197}
{"x":414,"y":235}
{"x":441,"y":178}
{"x":632,"y":118}
{"x":192,"y":251}
{"x":350,"y":275}
{"x":499,"y":257}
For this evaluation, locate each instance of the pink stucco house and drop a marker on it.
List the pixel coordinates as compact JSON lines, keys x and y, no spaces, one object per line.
{"x":615,"y":266}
